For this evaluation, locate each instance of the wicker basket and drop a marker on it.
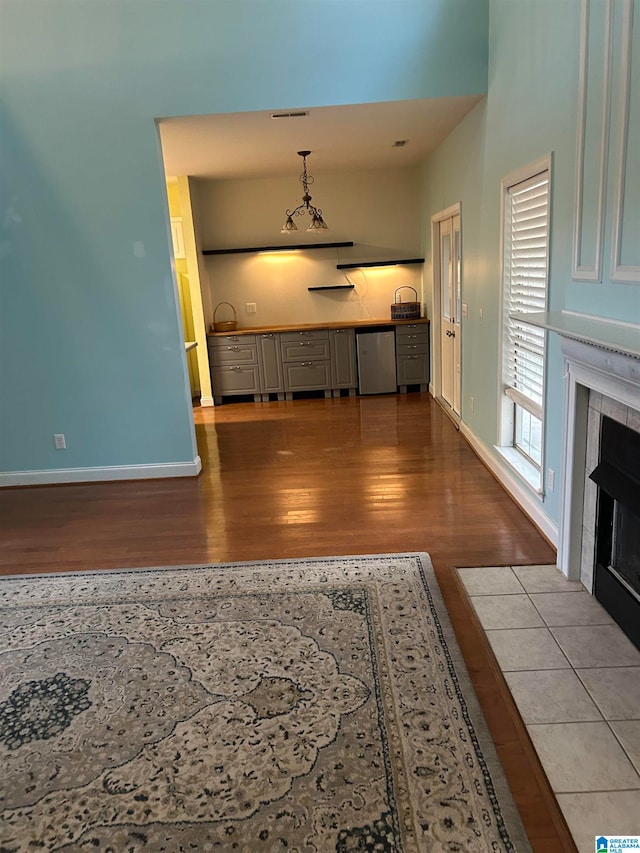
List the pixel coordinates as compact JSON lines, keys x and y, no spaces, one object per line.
{"x":405,"y":310}
{"x":225,"y":325}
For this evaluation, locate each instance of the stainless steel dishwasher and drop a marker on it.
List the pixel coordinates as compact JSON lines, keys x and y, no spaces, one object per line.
{"x":376,"y":350}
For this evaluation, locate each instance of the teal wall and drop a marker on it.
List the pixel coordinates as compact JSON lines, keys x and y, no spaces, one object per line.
{"x":90,"y":342}
{"x":530,"y":110}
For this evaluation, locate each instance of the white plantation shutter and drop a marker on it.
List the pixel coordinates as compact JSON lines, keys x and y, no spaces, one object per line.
{"x":526,"y":267}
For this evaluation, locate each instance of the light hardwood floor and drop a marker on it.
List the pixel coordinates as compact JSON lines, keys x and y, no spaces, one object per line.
{"x":313,"y":477}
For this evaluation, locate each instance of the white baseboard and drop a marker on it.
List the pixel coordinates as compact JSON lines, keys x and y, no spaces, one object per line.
{"x":100,"y":475}
{"x":529,"y":505}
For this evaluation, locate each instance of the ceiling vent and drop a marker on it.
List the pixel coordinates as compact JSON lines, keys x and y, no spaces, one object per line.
{"x":298,"y":114}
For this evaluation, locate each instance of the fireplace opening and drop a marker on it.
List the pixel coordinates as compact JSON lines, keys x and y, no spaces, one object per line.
{"x":617,"y":568}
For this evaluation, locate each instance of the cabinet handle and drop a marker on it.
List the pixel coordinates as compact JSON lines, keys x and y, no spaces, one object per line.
{"x":412,"y":357}
{"x":234,"y":349}
{"x":268,"y":335}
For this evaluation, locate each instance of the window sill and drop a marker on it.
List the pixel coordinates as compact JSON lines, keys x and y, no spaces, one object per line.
{"x":523,"y":468}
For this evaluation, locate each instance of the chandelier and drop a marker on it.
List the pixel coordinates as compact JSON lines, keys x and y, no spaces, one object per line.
{"x":317,"y":222}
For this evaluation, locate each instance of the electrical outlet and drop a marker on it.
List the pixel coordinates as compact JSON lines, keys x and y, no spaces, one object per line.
{"x":551,"y":479}
{"x":481,"y":316}
{"x":251,"y":307}
{"x":465,"y":310}
{"x":60,"y":443}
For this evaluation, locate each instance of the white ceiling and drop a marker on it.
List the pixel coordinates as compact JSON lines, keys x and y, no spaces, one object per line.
{"x":342,"y":138}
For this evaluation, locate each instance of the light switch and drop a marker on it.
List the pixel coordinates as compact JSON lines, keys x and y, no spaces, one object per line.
{"x":251,"y":307}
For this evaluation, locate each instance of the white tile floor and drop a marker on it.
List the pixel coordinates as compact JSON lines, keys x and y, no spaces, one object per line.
{"x":575,"y":678}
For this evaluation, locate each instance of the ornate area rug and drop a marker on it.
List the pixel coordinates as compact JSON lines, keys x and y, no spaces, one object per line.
{"x":303,"y":705}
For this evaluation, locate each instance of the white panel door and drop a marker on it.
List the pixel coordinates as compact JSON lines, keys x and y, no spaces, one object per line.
{"x":456,"y":310}
{"x":450,"y":310}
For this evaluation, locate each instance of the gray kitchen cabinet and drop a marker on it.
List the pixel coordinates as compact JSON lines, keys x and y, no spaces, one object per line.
{"x":235,"y":380}
{"x":262,"y":363}
{"x":343,"y":360}
{"x":270,"y":365}
{"x":240,"y":353}
{"x":306,"y":361}
{"x":306,"y":344}
{"x":412,"y":356}
{"x":307,"y":376}
{"x":234,"y":366}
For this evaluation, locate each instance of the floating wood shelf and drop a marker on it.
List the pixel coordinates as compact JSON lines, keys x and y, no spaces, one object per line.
{"x":287,"y":248}
{"x":363,"y":264}
{"x":333,"y":287}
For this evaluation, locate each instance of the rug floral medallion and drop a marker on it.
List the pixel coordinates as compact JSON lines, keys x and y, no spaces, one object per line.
{"x":301,"y":706}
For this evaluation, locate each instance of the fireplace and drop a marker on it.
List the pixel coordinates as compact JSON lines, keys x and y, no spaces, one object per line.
{"x":601,"y":382}
{"x":617,"y":533}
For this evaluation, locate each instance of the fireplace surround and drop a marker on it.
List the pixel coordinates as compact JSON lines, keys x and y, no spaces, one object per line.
{"x":598,"y":383}
{"x":601,"y":380}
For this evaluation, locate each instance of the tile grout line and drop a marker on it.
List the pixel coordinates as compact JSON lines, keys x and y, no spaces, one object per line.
{"x":622,"y":746}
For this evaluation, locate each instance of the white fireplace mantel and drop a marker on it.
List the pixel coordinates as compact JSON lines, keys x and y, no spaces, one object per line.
{"x":611,"y":335}
{"x":599,"y":356}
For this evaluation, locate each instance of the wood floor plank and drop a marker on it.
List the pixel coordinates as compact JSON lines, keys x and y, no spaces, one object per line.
{"x":304,"y":478}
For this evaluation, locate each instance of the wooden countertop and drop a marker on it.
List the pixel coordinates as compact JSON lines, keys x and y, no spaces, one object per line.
{"x":347,"y":324}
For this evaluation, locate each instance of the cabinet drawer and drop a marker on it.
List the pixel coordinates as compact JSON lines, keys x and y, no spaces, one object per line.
{"x":305,"y":349}
{"x":231,"y":338}
{"x":411,"y":348}
{"x":235,"y":379}
{"x":413,"y":338}
{"x":411,"y":331}
{"x":307,"y":376}
{"x":305,"y":334}
{"x":240,"y":353}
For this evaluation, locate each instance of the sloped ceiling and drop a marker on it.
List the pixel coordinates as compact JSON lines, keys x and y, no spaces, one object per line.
{"x":341,"y":138}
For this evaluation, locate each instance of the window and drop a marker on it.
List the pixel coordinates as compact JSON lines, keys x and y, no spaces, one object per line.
{"x":525,"y":223}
